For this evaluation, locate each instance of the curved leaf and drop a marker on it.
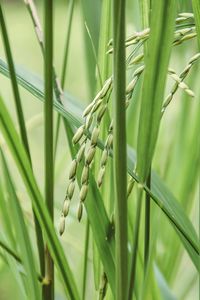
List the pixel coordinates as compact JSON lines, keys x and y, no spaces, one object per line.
{"x":24,"y":167}
{"x":160,"y":194}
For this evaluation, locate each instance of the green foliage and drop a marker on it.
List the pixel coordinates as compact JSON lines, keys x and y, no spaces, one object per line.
{"x":126,"y":253}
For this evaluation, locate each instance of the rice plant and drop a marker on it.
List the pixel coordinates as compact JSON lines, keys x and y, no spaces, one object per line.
{"x":99,"y":185}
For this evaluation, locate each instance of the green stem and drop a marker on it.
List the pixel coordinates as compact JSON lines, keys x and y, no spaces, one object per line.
{"x":22,"y":127}
{"x":147,"y":223}
{"x":64,"y":69}
{"x":135,"y":245}
{"x":87,"y":238}
{"x":119,"y":154}
{"x":48,"y":116}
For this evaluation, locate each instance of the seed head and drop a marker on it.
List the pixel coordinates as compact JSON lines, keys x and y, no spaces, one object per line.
{"x":101,"y":176}
{"x":194,"y":58}
{"x":83,"y":192}
{"x":88,"y":109}
{"x":66,"y":206}
{"x":109,"y":141}
{"x":88,"y":121}
{"x":90,"y":154}
{"x":131,"y":85}
{"x":78,"y":135}
{"x":106,"y":87}
{"x":96,"y":106}
{"x":62,"y":224}
{"x":72,"y":172}
{"x":70,"y":189}
{"x":138,"y":71}
{"x":95,"y":135}
{"x":101,"y":113}
{"x":104,"y":157}
{"x":85,"y":174}
{"x":80,"y":211}
{"x":137,"y":59}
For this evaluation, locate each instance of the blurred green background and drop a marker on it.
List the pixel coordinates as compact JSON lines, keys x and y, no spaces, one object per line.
{"x":169,"y":162}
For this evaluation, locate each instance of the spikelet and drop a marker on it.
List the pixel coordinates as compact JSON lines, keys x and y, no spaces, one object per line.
{"x":73,"y":168}
{"x":179,"y":82}
{"x":80,"y":211}
{"x":62,"y":224}
{"x":78,"y":135}
{"x":66,"y":206}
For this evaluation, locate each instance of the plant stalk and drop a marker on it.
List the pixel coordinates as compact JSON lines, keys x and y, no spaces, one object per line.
{"x":87,"y":238}
{"x":147,"y":223}
{"x":119,"y":153}
{"x":48,"y":132}
{"x":135,"y":245}
{"x":22,"y":127}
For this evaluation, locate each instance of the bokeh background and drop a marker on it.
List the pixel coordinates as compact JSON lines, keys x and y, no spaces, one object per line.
{"x":80,"y":82}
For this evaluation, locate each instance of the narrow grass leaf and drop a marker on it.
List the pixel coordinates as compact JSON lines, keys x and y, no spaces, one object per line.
{"x":156,"y":64}
{"x":25,"y":248}
{"x":22,"y":162}
{"x":196,"y":9}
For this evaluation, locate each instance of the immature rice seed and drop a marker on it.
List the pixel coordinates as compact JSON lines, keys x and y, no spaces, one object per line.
{"x":90,"y":154}
{"x":101,"y":113}
{"x":80,"y":153}
{"x":183,"y":86}
{"x":88,"y":109}
{"x":88,"y":121}
{"x":83,"y":192}
{"x":104,"y":157}
{"x":186,"y":15}
{"x":70,"y":189}
{"x":194,"y":58}
{"x":131,"y":85}
{"x":101,"y":176}
{"x":190,"y":92}
{"x":96,"y":106}
{"x":80,"y":211}
{"x":78,"y":135}
{"x":175,"y":77}
{"x":95,"y":135}
{"x":72,"y":172}
{"x":85,"y":174}
{"x":137,"y":59}
{"x":109,"y":141}
{"x":188,"y":36}
{"x":186,"y":70}
{"x":66,"y":207}
{"x":138,"y":71}
{"x":168,"y":99}
{"x":62,"y":224}
{"x":180,"y":19}
{"x":106,"y":87}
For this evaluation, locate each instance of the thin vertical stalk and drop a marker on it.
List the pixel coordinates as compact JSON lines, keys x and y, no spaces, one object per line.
{"x":87,"y":238}
{"x":64,"y":69}
{"x":22,"y":127}
{"x":147,"y":224}
{"x":145,"y":6}
{"x":119,"y":154}
{"x":135,"y":245}
{"x":48,"y":131}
